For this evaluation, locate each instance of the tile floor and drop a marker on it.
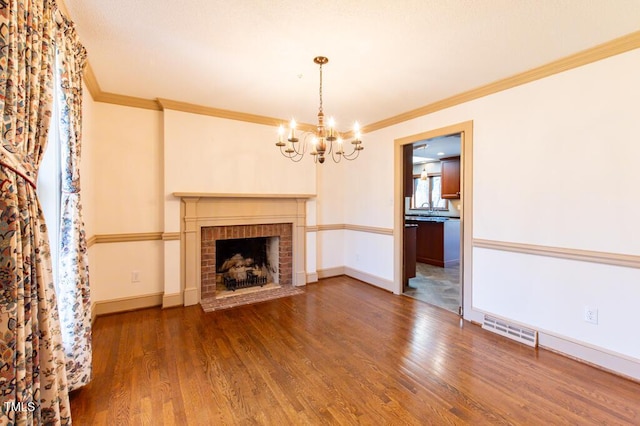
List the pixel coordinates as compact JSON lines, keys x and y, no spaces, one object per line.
{"x":437,"y":286}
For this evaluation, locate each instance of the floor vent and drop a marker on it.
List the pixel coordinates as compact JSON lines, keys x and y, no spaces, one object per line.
{"x":517,"y":333}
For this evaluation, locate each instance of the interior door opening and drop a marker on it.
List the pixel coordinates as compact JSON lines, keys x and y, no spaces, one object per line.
{"x":432,"y":211}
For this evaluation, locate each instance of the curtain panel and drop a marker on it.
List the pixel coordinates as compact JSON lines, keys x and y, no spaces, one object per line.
{"x":33,"y":384}
{"x":74,"y":304}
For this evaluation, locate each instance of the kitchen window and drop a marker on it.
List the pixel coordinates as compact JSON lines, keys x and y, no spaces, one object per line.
{"x":427,"y":193}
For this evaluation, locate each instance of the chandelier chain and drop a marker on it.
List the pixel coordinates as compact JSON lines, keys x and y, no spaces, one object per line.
{"x":320,"y":109}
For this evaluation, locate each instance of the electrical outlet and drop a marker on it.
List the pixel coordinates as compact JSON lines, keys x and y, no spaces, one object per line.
{"x":591,"y":314}
{"x":135,"y":276}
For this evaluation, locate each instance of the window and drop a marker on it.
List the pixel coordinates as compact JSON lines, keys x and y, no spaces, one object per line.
{"x":50,"y":181}
{"x":427,"y":193}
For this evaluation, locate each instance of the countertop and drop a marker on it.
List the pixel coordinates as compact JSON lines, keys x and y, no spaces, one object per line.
{"x":429,"y":218}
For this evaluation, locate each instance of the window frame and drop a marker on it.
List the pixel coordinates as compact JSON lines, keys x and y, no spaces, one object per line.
{"x":430,"y":176}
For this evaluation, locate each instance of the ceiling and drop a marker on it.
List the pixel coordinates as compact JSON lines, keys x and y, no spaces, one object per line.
{"x":385,"y":57}
{"x":436,"y":148}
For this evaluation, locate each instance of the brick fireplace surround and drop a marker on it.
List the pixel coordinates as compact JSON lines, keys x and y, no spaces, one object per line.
{"x":234,"y":214}
{"x":211,"y":234}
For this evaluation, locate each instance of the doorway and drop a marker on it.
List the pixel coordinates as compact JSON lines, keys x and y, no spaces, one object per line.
{"x":432,"y":211}
{"x":440,"y":210}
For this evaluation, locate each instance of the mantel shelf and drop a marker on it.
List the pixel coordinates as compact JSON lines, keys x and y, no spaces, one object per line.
{"x":238,"y":195}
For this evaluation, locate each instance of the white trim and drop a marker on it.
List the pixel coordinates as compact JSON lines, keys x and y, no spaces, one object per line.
{"x":368,"y":278}
{"x":331,"y":272}
{"x":172,"y":300}
{"x":604,"y":359}
{"x":124,"y":304}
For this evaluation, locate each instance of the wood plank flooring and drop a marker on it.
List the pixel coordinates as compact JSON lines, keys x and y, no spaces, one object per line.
{"x":341,"y":353}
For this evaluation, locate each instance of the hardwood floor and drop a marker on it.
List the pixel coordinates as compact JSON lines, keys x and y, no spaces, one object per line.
{"x":341,"y":353}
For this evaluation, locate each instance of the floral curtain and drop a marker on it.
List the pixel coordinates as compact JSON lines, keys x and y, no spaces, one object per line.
{"x":33,"y":384}
{"x":74,"y":303}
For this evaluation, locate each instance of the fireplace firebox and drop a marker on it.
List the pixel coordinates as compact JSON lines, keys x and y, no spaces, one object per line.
{"x":247,"y":262}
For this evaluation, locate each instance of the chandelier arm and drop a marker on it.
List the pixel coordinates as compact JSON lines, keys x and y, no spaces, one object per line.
{"x":301,"y":151}
{"x":293,"y":156}
{"x":329,"y":148}
{"x":352,"y":155}
{"x":296,"y":150}
{"x":305,"y":141}
{"x":333,"y":157}
{"x":297,"y":158}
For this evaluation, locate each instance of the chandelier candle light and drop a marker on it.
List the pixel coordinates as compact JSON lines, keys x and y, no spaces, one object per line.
{"x":322,"y":139}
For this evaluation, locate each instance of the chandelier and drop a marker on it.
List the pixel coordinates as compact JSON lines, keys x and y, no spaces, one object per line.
{"x":325,"y":141}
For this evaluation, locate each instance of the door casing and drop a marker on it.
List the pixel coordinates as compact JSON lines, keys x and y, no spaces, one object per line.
{"x":466,"y":218}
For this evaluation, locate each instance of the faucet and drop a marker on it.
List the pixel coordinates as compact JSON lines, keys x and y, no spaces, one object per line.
{"x":429,"y":205}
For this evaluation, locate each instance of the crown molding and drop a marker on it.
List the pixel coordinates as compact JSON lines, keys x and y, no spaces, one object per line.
{"x":594,"y":54}
{"x":98,"y":95}
{"x":217,"y":112}
{"x":611,"y":48}
{"x":91,"y":81}
{"x":228,"y":114}
{"x":130,"y":101}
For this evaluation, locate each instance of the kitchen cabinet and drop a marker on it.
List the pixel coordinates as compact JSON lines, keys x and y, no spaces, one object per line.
{"x":450,"y":175}
{"x":407,"y":170}
{"x":438,"y":243}
{"x":410,"y":233}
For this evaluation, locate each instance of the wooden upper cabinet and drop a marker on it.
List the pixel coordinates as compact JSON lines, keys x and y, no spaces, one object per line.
{"x":407,"y":170}
{"x":450,"y":173}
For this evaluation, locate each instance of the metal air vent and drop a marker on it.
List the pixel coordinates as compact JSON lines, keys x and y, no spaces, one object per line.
{"x":514,"y":332}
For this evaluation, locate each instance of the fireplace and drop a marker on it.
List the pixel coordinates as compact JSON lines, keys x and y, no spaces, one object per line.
{"x":243,"y":256}
{"x":276,"y":220}
{"x":247,"y":262}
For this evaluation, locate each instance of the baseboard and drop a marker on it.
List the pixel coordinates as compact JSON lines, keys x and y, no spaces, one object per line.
{"x":357,"y":274}
{"x":595,"y":356}
{"x":369,"y":278}
{"x":330,"y":272}
{"x":312,"y":277}
{"x":190,"y":296}
{"x":603,"y":359}
{"x":172,"y":300}
{"x":300,"y":279}
{"x":126,"y":304}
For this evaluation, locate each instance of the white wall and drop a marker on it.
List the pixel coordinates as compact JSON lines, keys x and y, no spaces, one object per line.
{"x":122,"y":194}
{"x":112,"y":264}
{"x":127,"y":145}
{"x":554,"y":165}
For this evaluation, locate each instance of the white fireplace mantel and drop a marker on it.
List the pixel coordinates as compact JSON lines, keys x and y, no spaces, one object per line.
{"x":239,"y":195}
{"x":201,"y":209}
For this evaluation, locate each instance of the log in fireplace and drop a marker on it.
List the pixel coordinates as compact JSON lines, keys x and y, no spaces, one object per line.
{"x":247,"y":262}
